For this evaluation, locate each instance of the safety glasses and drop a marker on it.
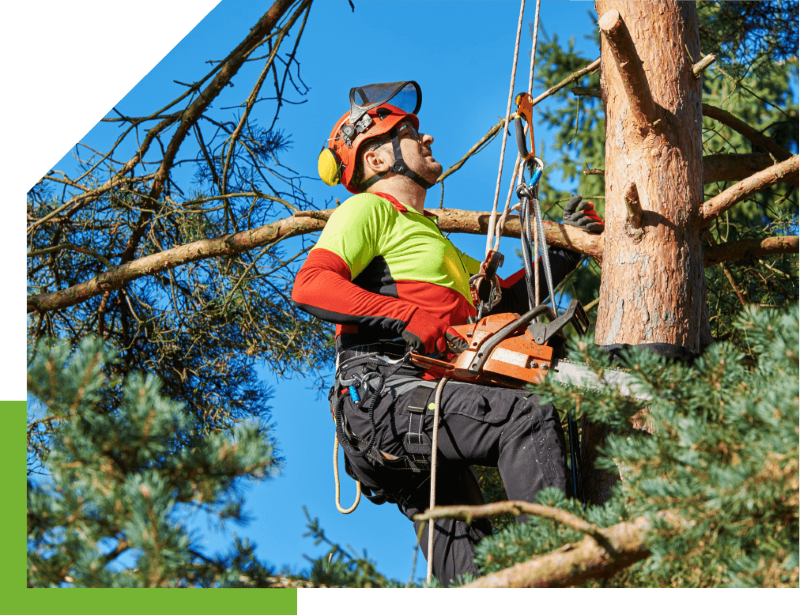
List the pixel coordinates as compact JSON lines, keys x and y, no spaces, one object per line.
{"x":403,"y":127}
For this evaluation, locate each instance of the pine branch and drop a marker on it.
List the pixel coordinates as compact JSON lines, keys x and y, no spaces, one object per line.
{"x":630,"y":69}
{"x":497,"y":127}
{"x":515,"y":507}
{"x":745,"y":188}
{"x":756,"y":138}
{"x":576,"y":563}
{"x":736,"y":167}
{"x":749,"y":248}
{"x":190,"y":116}
{"x":451,"y":220}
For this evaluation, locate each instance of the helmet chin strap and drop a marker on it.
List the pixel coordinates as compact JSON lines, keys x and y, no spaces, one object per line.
{"x":399,"y":166}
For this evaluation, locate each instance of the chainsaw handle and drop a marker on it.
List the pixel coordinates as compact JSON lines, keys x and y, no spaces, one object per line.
{"x":492,"y":342}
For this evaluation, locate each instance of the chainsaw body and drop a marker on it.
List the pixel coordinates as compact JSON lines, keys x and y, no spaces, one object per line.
{"x":508,"y":349}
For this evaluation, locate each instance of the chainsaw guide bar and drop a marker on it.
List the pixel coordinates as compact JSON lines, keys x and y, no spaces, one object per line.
{"x":516,"y":351}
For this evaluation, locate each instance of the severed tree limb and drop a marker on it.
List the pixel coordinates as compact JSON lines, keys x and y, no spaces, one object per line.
{"x":750,"y":248}
{"x":577,"y":562}
{"x":761,"y":180}
{"x":703,"y":64}
{"x":755,"y":137}
{"x":450,"y":220}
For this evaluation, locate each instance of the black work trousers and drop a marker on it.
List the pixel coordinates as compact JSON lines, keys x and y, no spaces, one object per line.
{"x":479,"y":425}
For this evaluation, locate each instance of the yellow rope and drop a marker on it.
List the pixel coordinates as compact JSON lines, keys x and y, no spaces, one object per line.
{"x":344,"y":511}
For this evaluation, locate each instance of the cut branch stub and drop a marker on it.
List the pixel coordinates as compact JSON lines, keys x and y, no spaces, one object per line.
{"x":703,"y":64}
{"x":634,"y":206}
{"x":630,"y":69}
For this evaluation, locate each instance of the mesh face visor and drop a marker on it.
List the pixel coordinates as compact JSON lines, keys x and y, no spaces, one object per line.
{"x":405,"y":95}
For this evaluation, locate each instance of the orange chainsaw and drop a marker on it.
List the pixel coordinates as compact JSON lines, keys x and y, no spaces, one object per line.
{"x":516,"y":351}
{"x":508,"y":349}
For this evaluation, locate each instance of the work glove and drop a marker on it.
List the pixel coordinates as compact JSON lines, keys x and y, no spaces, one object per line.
{"x":426,"y":334}
{"x":583,"y":215}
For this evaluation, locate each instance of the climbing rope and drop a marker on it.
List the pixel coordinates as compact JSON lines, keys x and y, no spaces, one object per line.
{"x":437,"y":400}
{"x":344,"y":511}
{"x":495,"y":229}
{"x":493,"y":217}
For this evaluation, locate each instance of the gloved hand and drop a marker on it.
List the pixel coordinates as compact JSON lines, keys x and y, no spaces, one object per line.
{"x":426,"y":334}
{"x":583,"y":215}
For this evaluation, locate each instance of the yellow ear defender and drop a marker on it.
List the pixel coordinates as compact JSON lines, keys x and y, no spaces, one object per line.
{"x":329,"y":167}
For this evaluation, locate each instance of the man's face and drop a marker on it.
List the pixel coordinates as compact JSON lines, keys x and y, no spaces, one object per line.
{"x":417,"y":153}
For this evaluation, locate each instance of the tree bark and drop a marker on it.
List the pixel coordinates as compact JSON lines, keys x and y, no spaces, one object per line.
{"x":653,"y":287}
{"x":653,"y":284}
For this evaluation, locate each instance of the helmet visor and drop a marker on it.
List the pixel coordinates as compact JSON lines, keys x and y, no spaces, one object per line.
{"x":405,"y":95}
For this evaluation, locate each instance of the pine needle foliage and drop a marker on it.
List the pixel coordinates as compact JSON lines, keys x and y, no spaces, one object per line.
{"x":715,"y":474}
{"x":121,"y":483}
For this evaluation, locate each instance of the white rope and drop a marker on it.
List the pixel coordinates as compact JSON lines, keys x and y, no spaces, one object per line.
{"x":506,"y":209}
{"x":533,"y":49}
{"x":434,"y":446}
{"x":344,"y":511}
{"x":493,"y":217}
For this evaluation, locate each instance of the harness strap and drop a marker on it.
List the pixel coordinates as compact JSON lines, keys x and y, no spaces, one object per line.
{"x":417,"y":443}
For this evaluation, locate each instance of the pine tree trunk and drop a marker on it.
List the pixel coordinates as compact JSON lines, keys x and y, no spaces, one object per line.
{"x":653,"y":286}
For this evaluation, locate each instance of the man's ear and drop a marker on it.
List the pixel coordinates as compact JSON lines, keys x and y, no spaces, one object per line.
{"x":376,"y":162}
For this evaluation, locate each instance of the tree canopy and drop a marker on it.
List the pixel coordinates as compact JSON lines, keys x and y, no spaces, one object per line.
{"x":159,"y":282}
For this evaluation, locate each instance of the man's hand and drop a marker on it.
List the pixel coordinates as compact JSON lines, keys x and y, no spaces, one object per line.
{"x":426,"y":334}
{"x":583,"y":215}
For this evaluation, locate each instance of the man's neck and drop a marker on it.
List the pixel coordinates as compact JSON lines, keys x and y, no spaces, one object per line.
{"x":404,"y":190}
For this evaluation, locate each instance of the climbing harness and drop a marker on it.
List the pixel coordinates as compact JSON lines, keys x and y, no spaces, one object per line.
{"x":377,"y":375}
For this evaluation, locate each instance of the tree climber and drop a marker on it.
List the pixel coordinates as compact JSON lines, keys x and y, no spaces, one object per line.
{"x":383,"y":272}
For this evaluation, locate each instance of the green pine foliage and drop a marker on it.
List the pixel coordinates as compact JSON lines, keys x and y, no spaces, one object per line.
{"x":342,"y":567}
{"x":718,"y":476}
{"x":120,"y":483}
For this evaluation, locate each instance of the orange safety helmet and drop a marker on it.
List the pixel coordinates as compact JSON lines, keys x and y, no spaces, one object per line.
{"x":370,"y":116}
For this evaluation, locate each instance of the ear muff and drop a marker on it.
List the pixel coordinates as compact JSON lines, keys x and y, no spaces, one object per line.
{"x":329,"y":167}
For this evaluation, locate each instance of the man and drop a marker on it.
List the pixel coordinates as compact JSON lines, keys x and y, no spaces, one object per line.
{"x":385,"y":274}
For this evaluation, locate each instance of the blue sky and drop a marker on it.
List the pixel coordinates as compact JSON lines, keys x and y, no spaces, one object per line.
{"x":461,"y":54}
